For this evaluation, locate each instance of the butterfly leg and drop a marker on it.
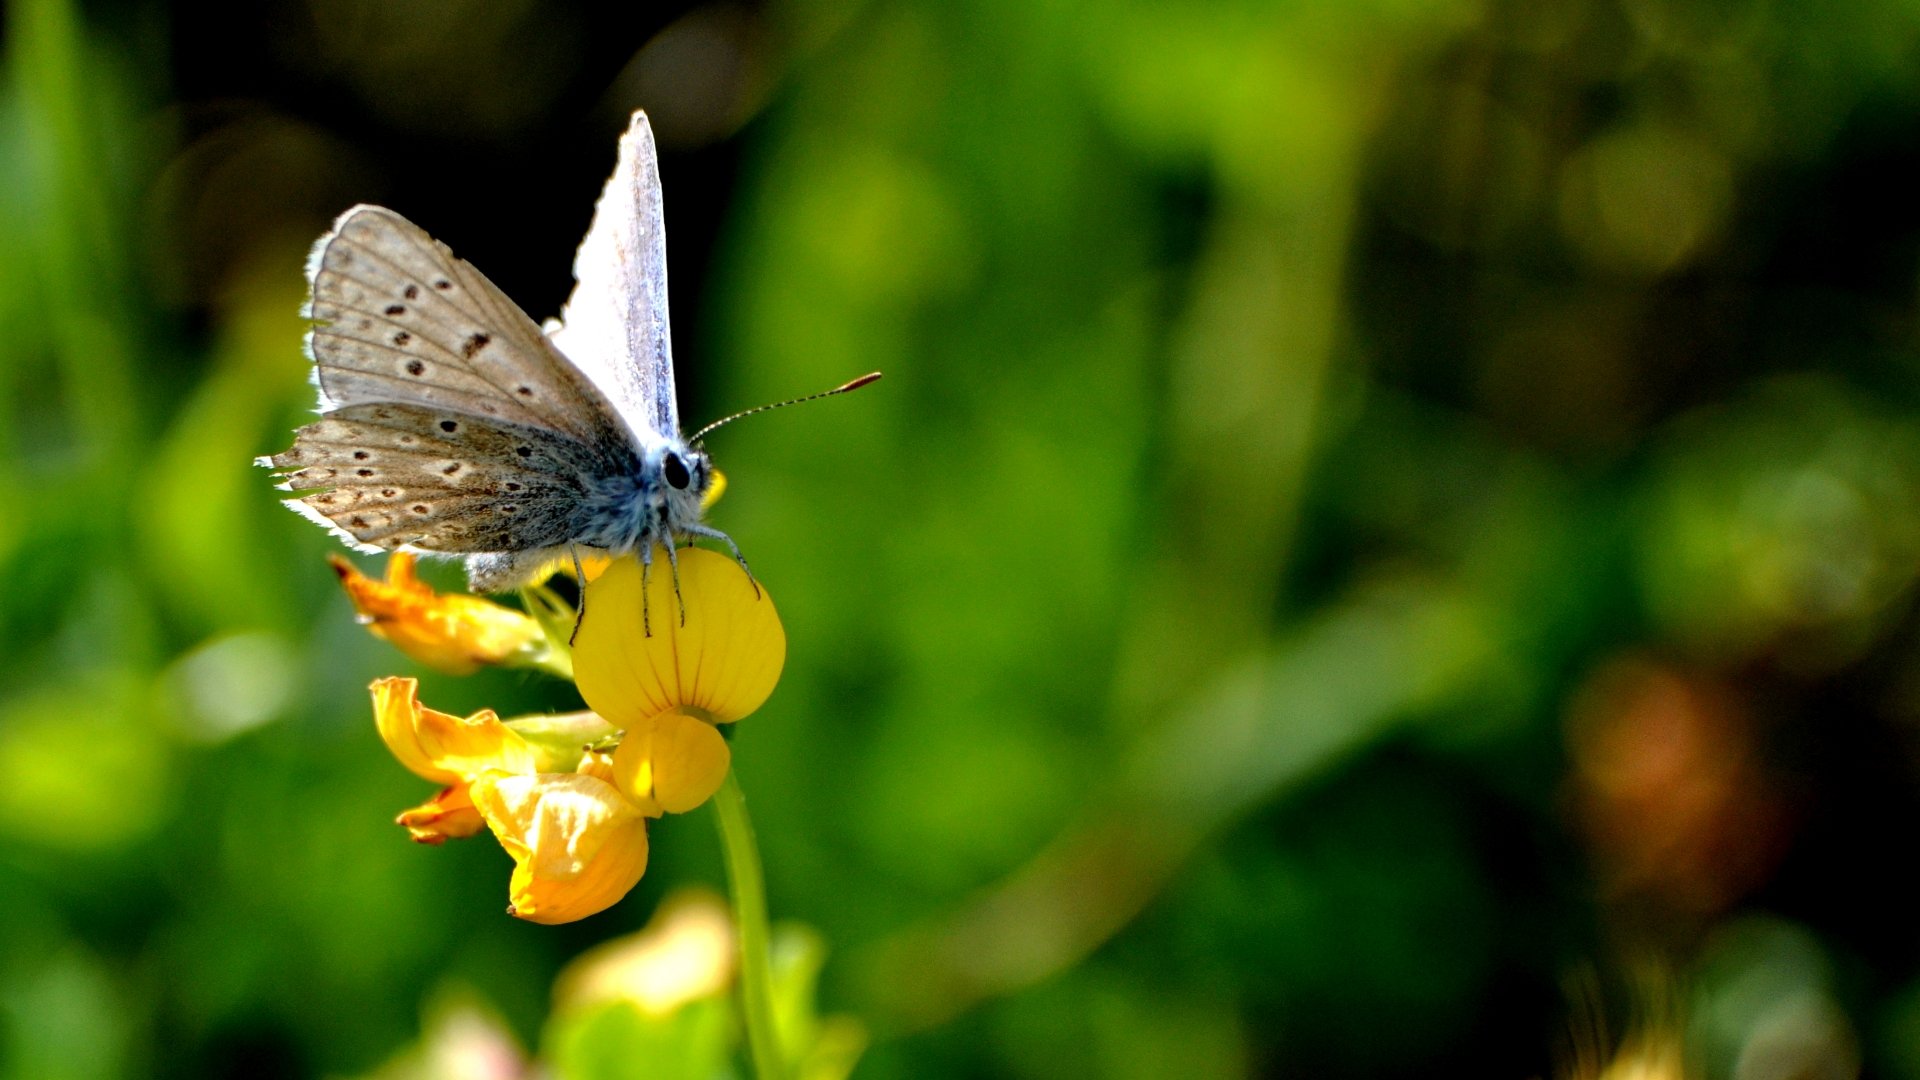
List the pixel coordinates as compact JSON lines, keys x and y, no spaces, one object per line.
{"x":673,"y":561}
{"x":580,"y":578}
{"x":646,"y":605}
{"x":712,"y":533}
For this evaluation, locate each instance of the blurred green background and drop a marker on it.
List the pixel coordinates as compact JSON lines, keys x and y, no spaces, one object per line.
{"x":1387,"y":544}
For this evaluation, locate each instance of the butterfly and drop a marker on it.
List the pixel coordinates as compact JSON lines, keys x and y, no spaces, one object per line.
{"x":451,"y":424}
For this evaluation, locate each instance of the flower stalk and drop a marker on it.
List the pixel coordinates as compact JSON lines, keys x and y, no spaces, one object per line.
{"x":747,"y":883}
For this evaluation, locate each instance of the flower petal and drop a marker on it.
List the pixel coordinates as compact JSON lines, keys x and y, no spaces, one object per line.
{"x":675,"y":761}
{"x":578,"y":845}
{"x":591,"y":565}
{"x":449,"y":815}
{"x":442,"y":747}
{"x":450,"y":632}
{"x":724,"y":660}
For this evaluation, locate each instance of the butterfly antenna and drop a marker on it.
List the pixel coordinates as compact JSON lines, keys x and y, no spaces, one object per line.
{"x":869,"y":377}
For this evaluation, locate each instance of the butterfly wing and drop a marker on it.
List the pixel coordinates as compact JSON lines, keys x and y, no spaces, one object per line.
{"x":615,"y":326}
{"x":389,"y":475}
{"x":397,"y":318}
{"x":449,"y":422}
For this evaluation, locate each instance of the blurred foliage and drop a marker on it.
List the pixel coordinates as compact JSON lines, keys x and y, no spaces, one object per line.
{"x":1380,"y":515}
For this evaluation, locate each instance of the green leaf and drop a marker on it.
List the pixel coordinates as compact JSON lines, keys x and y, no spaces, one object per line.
{"x":618,"y":1041}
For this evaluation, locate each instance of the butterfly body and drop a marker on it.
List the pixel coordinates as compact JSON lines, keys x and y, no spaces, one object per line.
{"x":451,"y":424}
{"x":634,"y":507}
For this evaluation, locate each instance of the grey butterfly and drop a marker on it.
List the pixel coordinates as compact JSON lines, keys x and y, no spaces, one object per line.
{"x":451,"y":424}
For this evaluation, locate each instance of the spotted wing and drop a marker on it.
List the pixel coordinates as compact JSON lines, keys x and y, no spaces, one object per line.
{"x":615,"y":326}
{"x":390,"y":475}
{"x":397,"y":318}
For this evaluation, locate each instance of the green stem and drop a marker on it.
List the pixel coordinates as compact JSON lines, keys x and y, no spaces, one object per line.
{"x":749,"y":887}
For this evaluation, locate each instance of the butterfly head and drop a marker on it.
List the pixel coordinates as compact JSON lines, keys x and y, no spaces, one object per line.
{"x":681,"y":475}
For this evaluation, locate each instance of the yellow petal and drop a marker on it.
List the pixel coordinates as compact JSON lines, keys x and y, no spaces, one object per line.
{"x":725,"y":660}
{"x":716,"y":487}
{"x":675,"y":761}
{"x":578,"y":845}
{"x":449,"y":815}
{"x":450,"y":632}
{"x":598,"y":765}
{"x":591,"y":565}
{"x":603,"y":766}
{"x":441,"y":747}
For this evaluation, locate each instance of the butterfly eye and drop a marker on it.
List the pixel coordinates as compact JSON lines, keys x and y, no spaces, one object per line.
{"x":676,"y":472}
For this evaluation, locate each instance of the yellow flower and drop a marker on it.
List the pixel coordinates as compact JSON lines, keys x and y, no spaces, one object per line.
{"x":450,"y":632}
{"x":578,"y":841}
{"x":573,"y":818}
{"x":668,"y":688}
{"x":687,"y":952}
{"x":447,"y":750}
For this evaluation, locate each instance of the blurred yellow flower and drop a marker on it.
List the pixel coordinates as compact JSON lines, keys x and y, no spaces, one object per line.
{"x":451,"y":632}
{"x":686,"y":952}
{"x":669,"y":688}
{"x":1659,"y":1057}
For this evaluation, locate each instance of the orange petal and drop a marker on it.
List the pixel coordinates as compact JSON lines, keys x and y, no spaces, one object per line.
{"x":442,"y":747}
{"x":578,"y":845}
{"x":449,"y":815}
{"x":725,"y":660}
{"x":450,"y":632}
